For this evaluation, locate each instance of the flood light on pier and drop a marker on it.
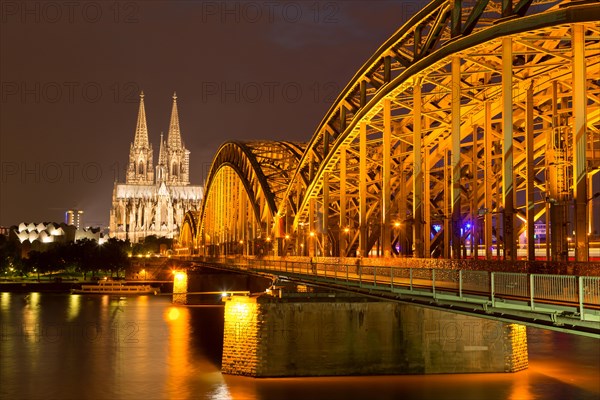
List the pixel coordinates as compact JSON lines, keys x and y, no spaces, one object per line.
{"x":179,"y":276}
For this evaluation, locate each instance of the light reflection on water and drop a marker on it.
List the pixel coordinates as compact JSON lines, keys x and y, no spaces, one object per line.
{"x":103,"y":347}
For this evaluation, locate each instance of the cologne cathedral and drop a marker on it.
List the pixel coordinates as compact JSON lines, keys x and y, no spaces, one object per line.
{"x":154,"y":199}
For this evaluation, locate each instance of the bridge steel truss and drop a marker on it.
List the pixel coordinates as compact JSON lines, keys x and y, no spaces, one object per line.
{"x":474,"y":122}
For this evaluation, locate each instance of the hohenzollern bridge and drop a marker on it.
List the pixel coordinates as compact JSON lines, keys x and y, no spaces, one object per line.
{"x":473,"y":131}
{"x":457,"y":169}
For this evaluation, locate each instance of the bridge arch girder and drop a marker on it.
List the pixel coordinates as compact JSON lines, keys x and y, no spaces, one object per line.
{"x":188,"y":232}
{"x":540,"y":56}
{"x":243,"y":187}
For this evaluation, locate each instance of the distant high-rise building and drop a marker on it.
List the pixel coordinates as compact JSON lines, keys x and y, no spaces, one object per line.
{"x":74,"y":217}
{"x":154,"y":199}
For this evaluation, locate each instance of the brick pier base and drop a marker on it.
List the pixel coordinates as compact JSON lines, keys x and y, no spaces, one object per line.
{"x":266,"y":336}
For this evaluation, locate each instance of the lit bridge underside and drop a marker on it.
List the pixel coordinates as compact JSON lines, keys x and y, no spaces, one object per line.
{"x":472,"y":124}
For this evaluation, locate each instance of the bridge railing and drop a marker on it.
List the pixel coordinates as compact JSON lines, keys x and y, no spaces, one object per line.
{"x":577,"y":294}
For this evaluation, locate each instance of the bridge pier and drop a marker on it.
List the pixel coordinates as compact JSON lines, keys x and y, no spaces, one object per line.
{"x":180,"y":287}
{"x":267,"y":336}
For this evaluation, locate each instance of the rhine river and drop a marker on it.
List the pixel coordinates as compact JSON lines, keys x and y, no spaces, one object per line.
{"x":60,"y":346}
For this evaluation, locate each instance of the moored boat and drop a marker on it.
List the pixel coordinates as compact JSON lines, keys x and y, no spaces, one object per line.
{"x":112,"y":287}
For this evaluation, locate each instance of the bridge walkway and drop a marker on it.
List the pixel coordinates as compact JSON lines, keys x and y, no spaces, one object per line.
{"x":558,"y":302}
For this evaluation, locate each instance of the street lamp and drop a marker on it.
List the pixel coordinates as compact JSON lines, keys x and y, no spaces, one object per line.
{"x":313,"y":244}
{"x":268,"y":245}
{"x":285,"y":244}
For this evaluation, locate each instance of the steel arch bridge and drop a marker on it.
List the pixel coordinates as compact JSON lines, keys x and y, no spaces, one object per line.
{"x":477,"y":123}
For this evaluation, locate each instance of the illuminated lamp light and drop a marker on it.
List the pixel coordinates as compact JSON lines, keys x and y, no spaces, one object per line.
{"x":179,"y":276}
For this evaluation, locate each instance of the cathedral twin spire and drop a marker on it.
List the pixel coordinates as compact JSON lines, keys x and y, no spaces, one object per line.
{"x":173,"y":158}
{"x":174,"y":138}
{"x":141,"y":129}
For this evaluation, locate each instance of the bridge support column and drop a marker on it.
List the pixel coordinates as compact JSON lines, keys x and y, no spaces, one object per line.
{"x":529,"y":192}
{"x":508,"y":189}
{"x":386,"y":178}
{"x":312,"y":235}
{"x":555,"y":164}
{"x":417,"y":172}
{"x":362,"y":191}
{"x":344,"y":229}
{"x":579,"y":142}
{"x":426,"y":206}
{"x":325,"y":218}
{"x":268,"y":336}
{"x":488,"y":175}
{"x":446,"y":209}
{"x":455,"y":160}
{"x":473,"y":212}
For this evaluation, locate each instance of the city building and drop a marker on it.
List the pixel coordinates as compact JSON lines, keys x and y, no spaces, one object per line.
{"x":53,"y":232}
{"x":154,"y":198}
{"x":74,"y":217}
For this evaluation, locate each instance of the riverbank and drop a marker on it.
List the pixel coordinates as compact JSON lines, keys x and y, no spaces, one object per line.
{"x":66,"y":287}
{"x":41,"y":287}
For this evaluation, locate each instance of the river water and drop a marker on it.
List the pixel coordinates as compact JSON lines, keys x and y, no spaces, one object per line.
{"x":59,"y":346}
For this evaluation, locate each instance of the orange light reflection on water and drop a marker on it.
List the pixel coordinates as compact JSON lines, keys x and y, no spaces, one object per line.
{"x":185,"y":371}
{"x":178,"y":353}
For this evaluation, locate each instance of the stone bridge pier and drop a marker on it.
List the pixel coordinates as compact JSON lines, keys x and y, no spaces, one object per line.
{"x":269,"y":336}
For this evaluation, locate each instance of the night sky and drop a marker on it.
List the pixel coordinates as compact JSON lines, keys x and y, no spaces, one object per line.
{"x":71,"y":73}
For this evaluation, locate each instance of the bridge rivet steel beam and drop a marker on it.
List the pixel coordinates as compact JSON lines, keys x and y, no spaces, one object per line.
{"x":417,"y":172}
{"x":343,"y":223}
{"x":312,"y":238}
{"x":579,"y":141}
{"x":529,"y":192}
{"x":386,"y":190}
{"x":362,"y":189}
{"x":508,"y":192}
{"x":555,"y":181}
{"x":426,"y":207}
{"x":474,"y":196}
{"x":488,"y":174}
{"x":325,"y":212}
{"x":455,"y":158}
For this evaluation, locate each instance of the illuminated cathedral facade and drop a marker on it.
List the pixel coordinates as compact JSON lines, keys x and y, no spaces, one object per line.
{"x":154,"y":198}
